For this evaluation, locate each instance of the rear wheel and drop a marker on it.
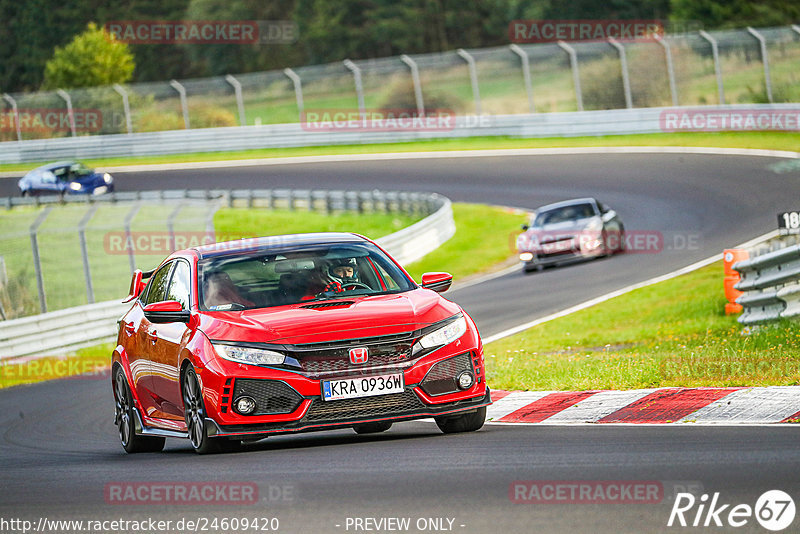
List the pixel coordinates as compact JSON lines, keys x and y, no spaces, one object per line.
{"x":124,"y":419}
{"x":468,"y":422}
{"x":194,"y":413}
{"x":372,"y":428}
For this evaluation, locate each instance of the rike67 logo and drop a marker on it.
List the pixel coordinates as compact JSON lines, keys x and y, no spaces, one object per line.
{"x":774,"y":510}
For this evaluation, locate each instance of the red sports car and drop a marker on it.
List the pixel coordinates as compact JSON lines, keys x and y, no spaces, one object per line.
{"x":237,"y":341}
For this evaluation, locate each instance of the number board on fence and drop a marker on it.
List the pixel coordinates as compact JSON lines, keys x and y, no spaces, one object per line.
{"x":790,"y":221}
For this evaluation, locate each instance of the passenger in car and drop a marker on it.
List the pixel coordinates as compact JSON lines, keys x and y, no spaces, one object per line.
{"x":219,"y":289}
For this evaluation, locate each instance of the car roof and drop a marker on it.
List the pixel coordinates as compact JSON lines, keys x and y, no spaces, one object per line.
{"x":275,"y":242}
{"x":56,"y":165}
{"x":563,"y":203}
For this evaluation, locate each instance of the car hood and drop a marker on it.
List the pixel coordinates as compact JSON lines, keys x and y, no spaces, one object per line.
{"x":364,"y":317}
{"x":90,"y":179}
{"x":560,"y":229}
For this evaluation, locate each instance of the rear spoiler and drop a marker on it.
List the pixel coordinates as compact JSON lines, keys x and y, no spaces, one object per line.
{"x":138,"y":283}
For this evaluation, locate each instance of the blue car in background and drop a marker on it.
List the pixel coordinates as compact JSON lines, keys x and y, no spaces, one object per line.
{"x":65,"y":178}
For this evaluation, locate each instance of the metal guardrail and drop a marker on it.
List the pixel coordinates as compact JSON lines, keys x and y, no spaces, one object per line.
{"x":23,"y":337}
{"x":565,"y":124}
{"x":770,"y":281}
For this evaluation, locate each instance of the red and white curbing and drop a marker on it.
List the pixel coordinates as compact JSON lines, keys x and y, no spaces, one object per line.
{"x":750,"y":405}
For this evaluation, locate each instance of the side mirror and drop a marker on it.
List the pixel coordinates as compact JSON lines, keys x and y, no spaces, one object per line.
{"x":525,"y":226}
{"x":610,"y":214}
{"x":169,"y":311}
{"x":439,"y":282}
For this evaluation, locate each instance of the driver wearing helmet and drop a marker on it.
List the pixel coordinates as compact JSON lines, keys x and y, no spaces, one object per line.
{"x":342,"y":273}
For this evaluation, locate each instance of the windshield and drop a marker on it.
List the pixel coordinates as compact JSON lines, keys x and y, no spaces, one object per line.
{"x":563,"y":214}
{"x":255,"y":279}
{"x":79,"y":170}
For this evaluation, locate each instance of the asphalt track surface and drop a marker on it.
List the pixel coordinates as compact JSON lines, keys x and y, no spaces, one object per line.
{"x":58,"y":446}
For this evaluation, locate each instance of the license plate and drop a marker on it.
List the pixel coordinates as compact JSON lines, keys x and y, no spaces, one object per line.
{"x":558,"y":246}
{"x":367,"y":386}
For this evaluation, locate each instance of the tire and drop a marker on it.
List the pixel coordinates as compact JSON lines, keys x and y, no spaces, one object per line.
{"x":372,"y":428}
{"x":621,"y":248}
{"x":469,"y":422}
{"x":124,"y":419}
{"x":194,"y":414}
{"x":25,"y":193}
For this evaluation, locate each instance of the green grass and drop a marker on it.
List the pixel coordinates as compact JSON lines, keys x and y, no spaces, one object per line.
{"x":673,"y":333}
{"x":92,"y":362}
{"x":484,"y":238}
{"x":237,"y":223}
{"x":766,"y":140}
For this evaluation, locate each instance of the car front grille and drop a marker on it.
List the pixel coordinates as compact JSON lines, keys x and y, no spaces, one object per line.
{"x":272,"y":396}
{"x":325,"y":360}
{"x":353,"y":409}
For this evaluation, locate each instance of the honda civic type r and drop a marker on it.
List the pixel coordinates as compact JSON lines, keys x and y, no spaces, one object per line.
{"x":237,"y":341}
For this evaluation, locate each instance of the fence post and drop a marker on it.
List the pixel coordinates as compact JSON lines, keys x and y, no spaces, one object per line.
{"x":717,"y":68}
{"x":670,"y":69}
{"x":184,"y":103}
{"x":37,"y":262}
{"x":87,"y":273}
{"x":171,"y":225}
{"x":417,"y":85}
{"x":623,"y":61}
{"x":526,"y":73}
{"x":352,"y":67}
{"x":237,"y":89}
{"x":129,"y":238}
{"x":764,"y":59}
{"x":7,"y":97}
{"x":298,"y":91}
{"x":473,"y":77}
{"x":126,"y":106}
{"x":576,"y":75}
{"x":65,"y":96}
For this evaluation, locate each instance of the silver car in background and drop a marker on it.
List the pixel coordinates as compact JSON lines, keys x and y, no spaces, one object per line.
{"x":571,"y":230}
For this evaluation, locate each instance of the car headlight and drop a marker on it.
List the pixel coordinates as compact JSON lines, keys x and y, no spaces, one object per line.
{"x":249,"y":355}
{"x":107,"y":178}
{"x":75,"y":186}
{"x":444,"y":335}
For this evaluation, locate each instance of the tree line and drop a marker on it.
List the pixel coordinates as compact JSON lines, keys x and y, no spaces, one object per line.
{"x":328,"y":30}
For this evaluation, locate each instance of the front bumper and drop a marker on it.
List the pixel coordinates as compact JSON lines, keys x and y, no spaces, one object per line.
{"x":322,"y":415}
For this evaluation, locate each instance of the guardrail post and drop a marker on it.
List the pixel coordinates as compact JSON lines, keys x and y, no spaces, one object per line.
{"x":576,"y":75}
{"x":717,"y":68}
{"x":764,"y":60}
{"x":7,"y":97}
{"x":37,"y":262}
{"x":129,"y":237}
{"x":184,"y":102}
{"x":473,"y":77}
{"x":623,"y":61}
{"x":417,"y":84}
{"x":298,"y":91}
{"x":65,"y":96}
{"x":212,"y":209}
{"x":673,"y":91}
{"x":526,"y":73}
{"x":87,"y":273}
{"x":126,"y":106}
{"x":237,"y":89}
{"x":352,"y":67}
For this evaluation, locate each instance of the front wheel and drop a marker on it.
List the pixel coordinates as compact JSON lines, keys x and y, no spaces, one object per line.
{"x":124,"y":419}
{"x":468,"y":422}
{"x":194,"y":413}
